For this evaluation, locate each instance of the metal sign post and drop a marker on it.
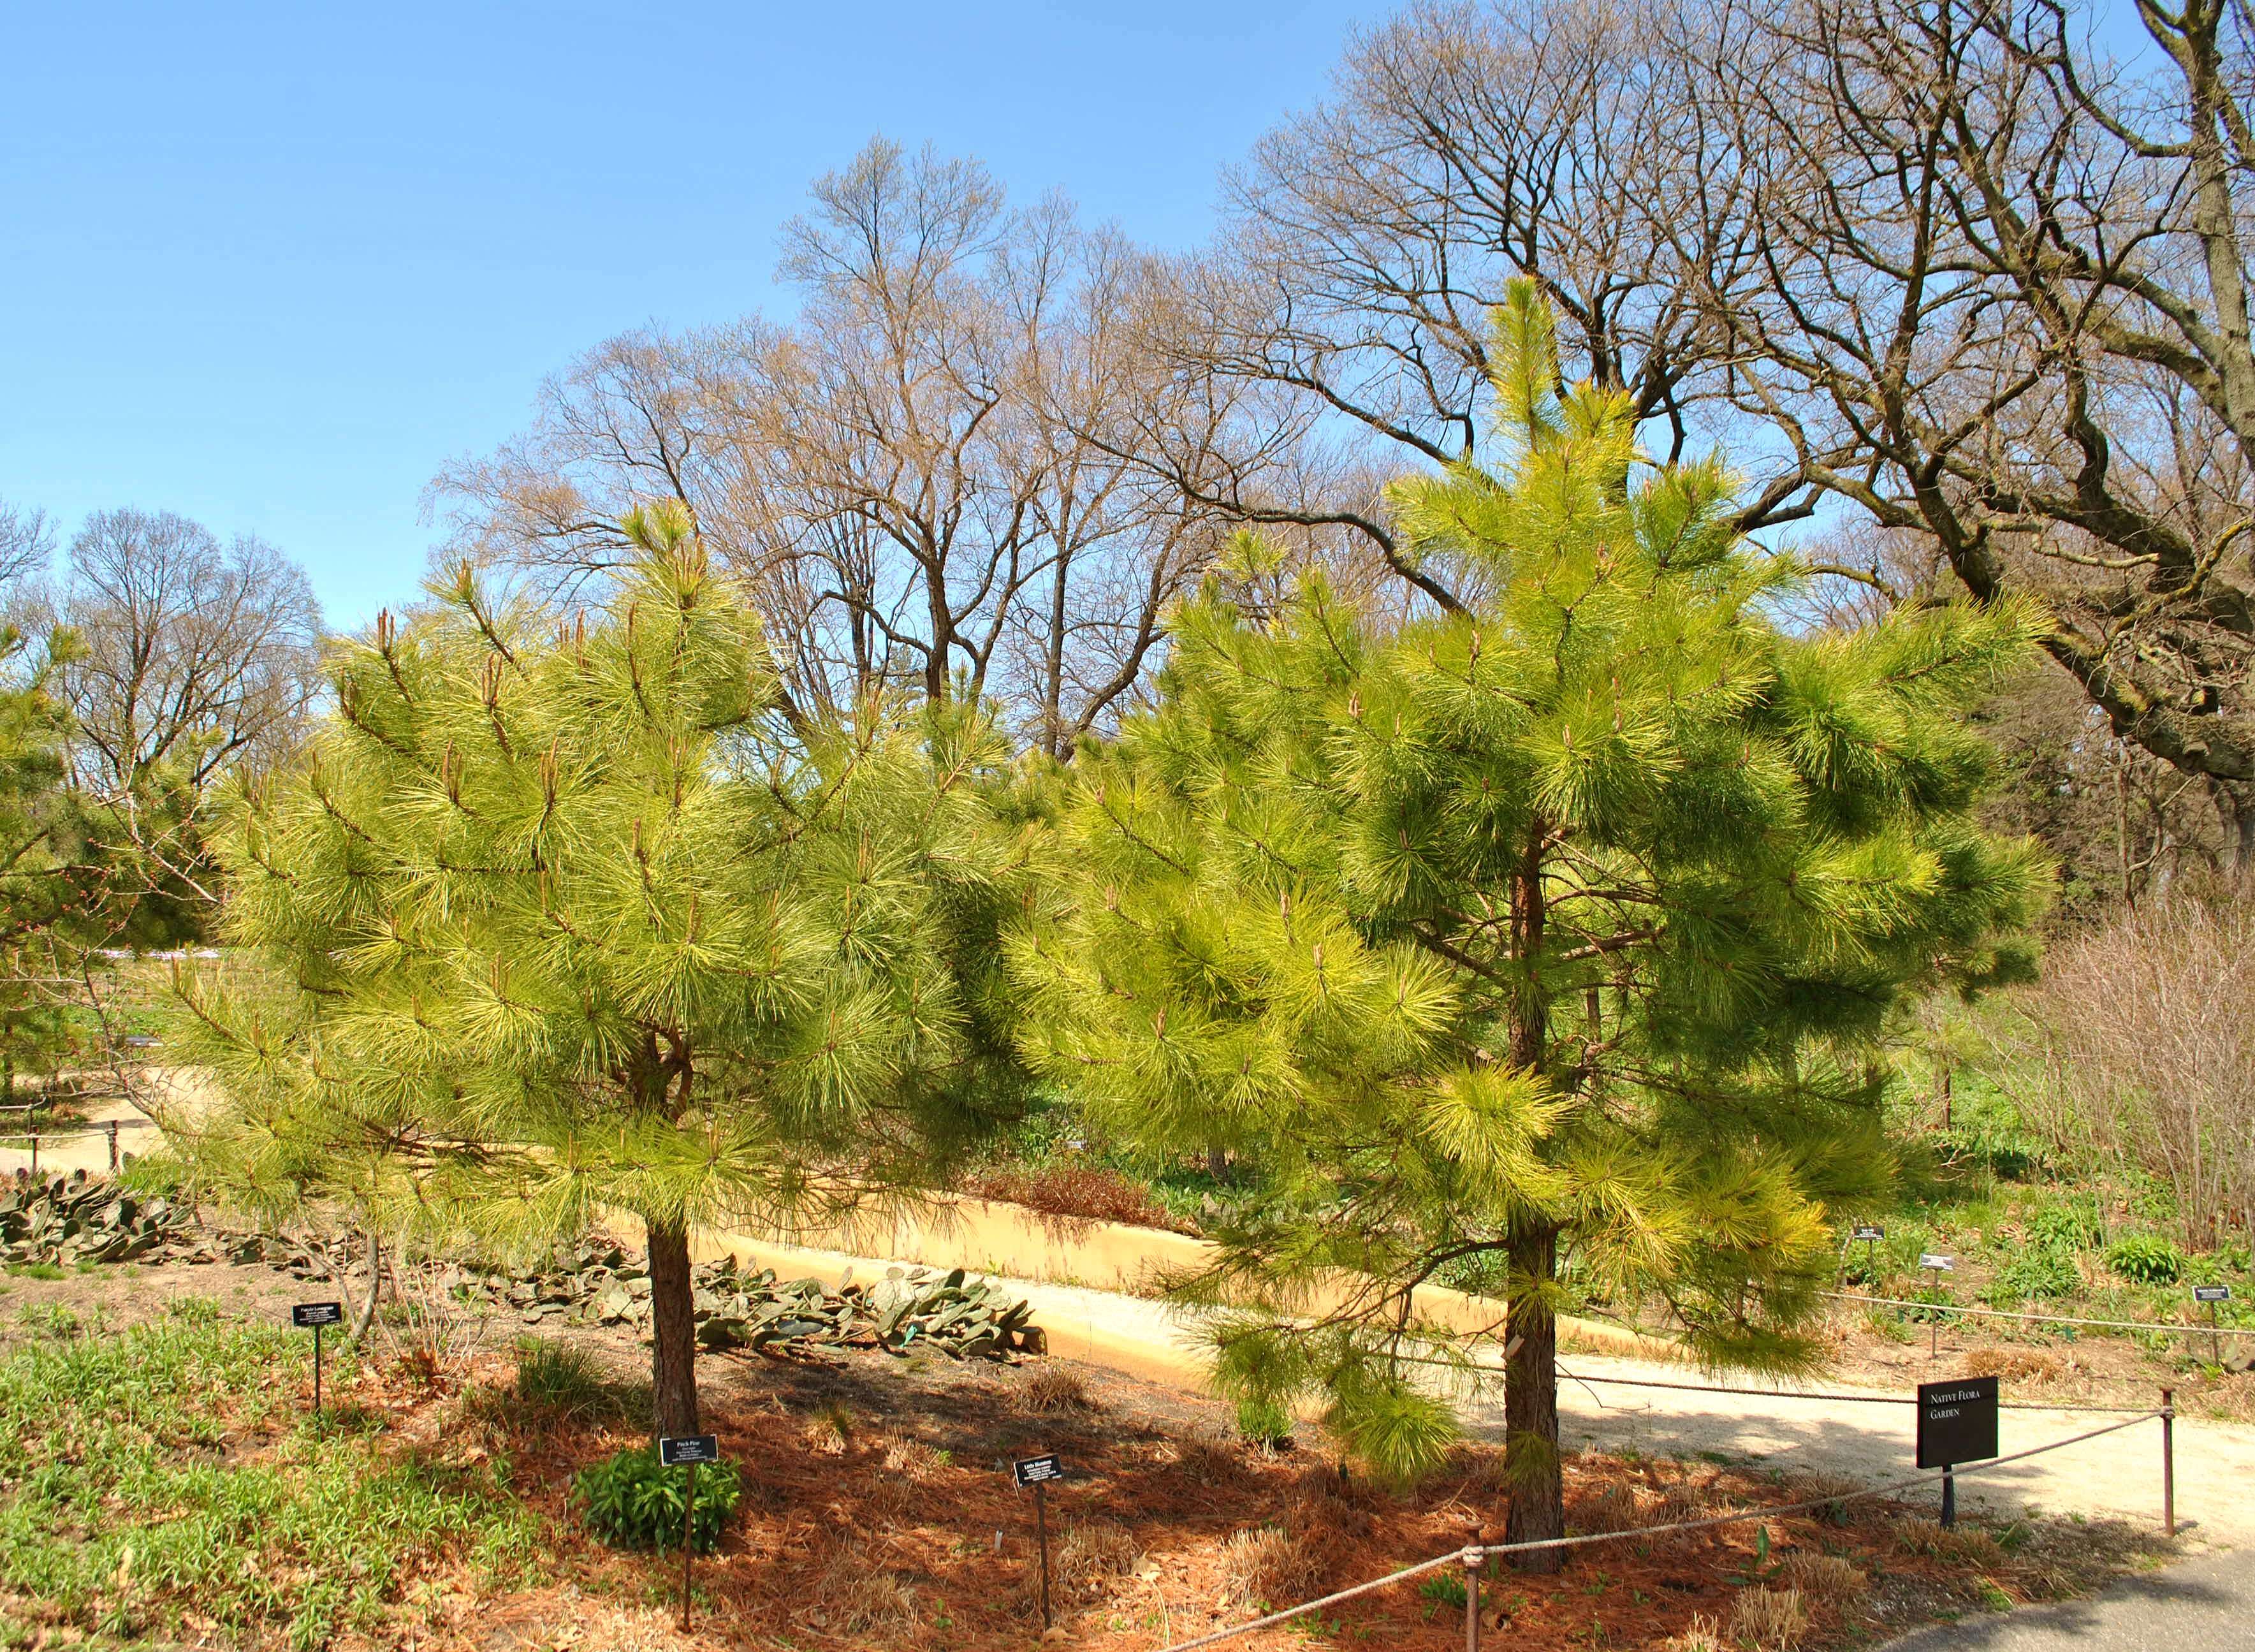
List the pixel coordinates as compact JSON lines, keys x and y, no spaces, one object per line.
{"x":1937,"y":1266}
{"x":317,"y":1314}
{"x":1871,"y":1234}
{"x":2211,"y":1295}
{"x":1038,"y":1472}
{"x":686,"y":1450}
{"x":1956,"y":1424}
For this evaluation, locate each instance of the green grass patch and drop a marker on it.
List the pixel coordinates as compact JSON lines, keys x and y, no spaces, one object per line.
{"x":167,"y":1468}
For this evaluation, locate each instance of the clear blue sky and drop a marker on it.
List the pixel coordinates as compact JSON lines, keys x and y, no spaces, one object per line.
{"x":272,"y":266}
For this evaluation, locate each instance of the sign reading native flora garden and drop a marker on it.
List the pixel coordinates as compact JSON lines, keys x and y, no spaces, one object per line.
{"x":1956,"y":1422}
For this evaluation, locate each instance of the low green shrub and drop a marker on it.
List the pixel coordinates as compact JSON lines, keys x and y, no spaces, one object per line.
{"x":2146,"y":1258}
{"x":2040,"y":1273}
{"x":2072,"y":1226}
{"x":629,"y":1501}
{"x":563,"y":1377}
{"x":1263,"y":1422}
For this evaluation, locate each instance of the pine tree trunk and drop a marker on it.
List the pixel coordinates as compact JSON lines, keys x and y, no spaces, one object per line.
{"x":672,"y":1331}
{"x":1530,"y":1401}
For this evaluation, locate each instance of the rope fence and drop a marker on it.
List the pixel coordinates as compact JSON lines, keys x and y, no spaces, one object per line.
{"x":1473,"y":1556}
{"x":1836,"y":1394}
{"x":2040,"y":1319}
{"x":1468,"y":1367}
{"x":95,"y":1127}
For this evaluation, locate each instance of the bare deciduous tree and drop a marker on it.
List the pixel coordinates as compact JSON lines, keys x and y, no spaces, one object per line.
{"x":191,"y":654}
{"x":932,"y":476}
{"x":1369,"y":240}
{"x":26,"y":542}
{"x":2004,"y":303}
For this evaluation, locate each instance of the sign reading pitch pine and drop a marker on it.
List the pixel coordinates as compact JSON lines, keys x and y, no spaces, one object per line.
{"x":566,"y":918}
{"x":1566,"y":921}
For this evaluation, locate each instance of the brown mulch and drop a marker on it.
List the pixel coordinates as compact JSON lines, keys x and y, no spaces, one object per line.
{"x":824,"y":1506}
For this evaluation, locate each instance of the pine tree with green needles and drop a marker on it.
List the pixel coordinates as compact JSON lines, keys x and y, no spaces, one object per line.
{"x":1552,"y":942}
{"x":55,"y":882}
{"x":559,"y":922}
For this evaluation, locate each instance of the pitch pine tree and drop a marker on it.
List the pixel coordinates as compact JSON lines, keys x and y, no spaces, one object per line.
{"x":1550,"y":942}
{"x":561,"y":921}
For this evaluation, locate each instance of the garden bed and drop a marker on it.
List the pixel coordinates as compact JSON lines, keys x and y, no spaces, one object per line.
{"x":171,"y":1489}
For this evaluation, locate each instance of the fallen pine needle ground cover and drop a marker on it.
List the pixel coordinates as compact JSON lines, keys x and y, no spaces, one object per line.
{"x":160,"y":1483}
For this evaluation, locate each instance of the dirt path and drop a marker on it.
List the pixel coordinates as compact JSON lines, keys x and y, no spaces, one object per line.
{"x":2117,"y":1474}
{"x":2203,"y":1604}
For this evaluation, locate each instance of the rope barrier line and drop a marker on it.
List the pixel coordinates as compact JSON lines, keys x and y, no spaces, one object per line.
{"x":1453,"y":1558}
{"x":1758,"y":1394}
{"x":98,"y":1127}
{"x":1833,"y":1394}
{"x":2040,"y":1319}
{"x":1471,"y":1555}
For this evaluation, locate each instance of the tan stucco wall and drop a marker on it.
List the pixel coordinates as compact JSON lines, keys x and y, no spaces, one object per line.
{"x":1018,"y":1244}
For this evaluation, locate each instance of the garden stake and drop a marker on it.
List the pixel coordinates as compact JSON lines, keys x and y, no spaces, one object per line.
{"x":2169,"y":1462}
{"x":317,"y":1374}
{"x":1042,"y":1536}
{"x":113,"y":1159}
{"x":1471,"y":1598}
{"x":688,"y":1527}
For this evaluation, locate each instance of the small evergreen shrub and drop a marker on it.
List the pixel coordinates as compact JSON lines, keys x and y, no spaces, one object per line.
{"x":2148,"y":1258}
{"x":630,"y":1502}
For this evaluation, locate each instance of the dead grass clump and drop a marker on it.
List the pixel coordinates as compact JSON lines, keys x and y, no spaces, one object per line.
{"x":1967,"y":1543}
{"x":899,"y":1487}
{"x":1769,"y":1620}
{"x":1609,"y":1508}
{"x":914,"y":1461}
{"x":1690,"y":1499}
{"x":1825,"y":1580}
{"x":856,"y":1596}
{"x":1702,"y":1635}
{"x":1268,"y":1566}
{"x":1208,"y":1459}
{"x":2013,"y":1365}
{"x":831,"y":1429}
{"x":1485,"y":1472}
{"x":1053,"y":1389}
{"x":1093,"y":1555}
{"x":1815,"y":1486}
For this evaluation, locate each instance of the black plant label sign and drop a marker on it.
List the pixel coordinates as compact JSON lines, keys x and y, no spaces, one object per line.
{"x":1033,"y":1471}
{"x":305,"y":1314}
{"x":676,"y":1450}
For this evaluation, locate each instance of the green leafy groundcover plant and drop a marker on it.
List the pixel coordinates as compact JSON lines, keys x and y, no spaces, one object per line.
{"x":119,"y":1513}
{"x":2148,"y":1258}
{"x":630,"y":1501}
